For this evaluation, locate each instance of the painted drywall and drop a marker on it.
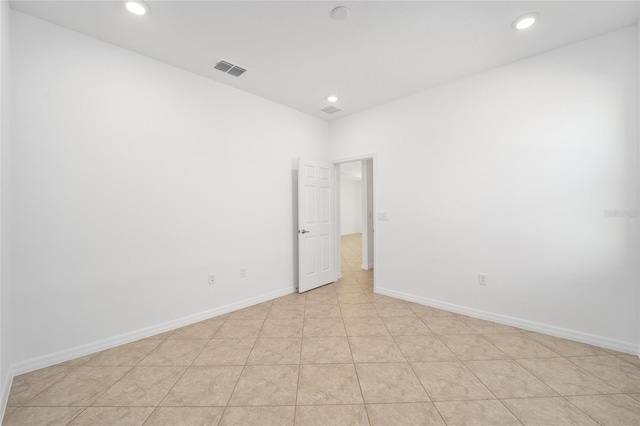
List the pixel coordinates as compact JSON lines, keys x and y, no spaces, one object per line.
{"x":367,"y":214}
{"x":5,"y":288}
{"x":350,"y":205}
{"x":510,"y":173}
{"x":132,"y":181}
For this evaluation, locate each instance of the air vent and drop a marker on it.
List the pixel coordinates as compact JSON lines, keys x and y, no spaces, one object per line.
{"x":223,"y":66}
{"x":331,"y":109}
{"x":236,"y":71}
{"x":229,"y":68}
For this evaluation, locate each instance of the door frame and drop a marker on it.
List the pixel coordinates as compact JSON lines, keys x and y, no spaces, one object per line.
{"x":336,"y":203}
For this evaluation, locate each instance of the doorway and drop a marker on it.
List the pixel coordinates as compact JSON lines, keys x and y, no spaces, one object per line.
{"x":356,"y":225}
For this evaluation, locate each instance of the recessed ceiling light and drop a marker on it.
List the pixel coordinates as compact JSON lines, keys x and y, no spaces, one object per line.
{"x":340,"y":13}
{"x":137,"y":7}
{"x":332,"y":98}
{"x":525,"y":21}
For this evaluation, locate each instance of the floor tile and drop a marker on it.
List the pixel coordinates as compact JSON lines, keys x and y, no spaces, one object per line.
{"x":291,"y":327}
{"x":390,"y":382}
{"x":633,"y":359}
{"x":108,"y":416}
{"x":263,"y":416}
{"x":80,"y":387}
{"x":322,"y":384}
{"x":518,"y":345}
{"x":447,"y":325}
{"x":185,"y":416}
{"x":323,"y":327}
{"x":488,"y":327}
{"x":506,"y":379}
{"x":239,"y":329}
{"x":322,"y":311}
{"x":353,"y":288}
{"x":472,"y":347}
{"x":275,"y":351}
{"x":421,"y":413}
{"x":565,"y":377}
{"x":613,"y":370}
{"x":325,"y":350}
{"x":266,"y":385}
{"x":142,"y":386}
{"x":201,"y":330}
{"x":322,"y":298}
{"x":462,"y":413}
{"x":565,"y":347}
{"x":365,"y":327}
{"x":125,"y":355}
{"x":252,"y":312}
{"x":203,"y":386}
{"x":77,"y":362}
{"x":225,"y":352}
{"x":547,"y":412}
{"x":160,"y":336}
{"x":428,"y":311}
{"x":324,"y":415}
{"x":174,"y":353}
{"x":41,"y":416}
{"x":375,"y":349}
{"x":286,"y":311}
{"x":325,"y":289}
{"x":394,"y":311}
{"x":450,"y":381}
{"x":358,"y":310}
{"x":424,"y":348}
{"x":291,"y":299}
{"x":406,"y":327}
{"x":353,"y":297}
{"x":618,"y":410}
{"x":26,"y":386}
{"x":380,"y":299}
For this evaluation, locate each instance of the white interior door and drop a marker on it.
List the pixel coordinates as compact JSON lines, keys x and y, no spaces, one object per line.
{"x":316,"y":231}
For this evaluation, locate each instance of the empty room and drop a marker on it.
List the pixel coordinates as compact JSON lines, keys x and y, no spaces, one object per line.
{"x":319,"y":213}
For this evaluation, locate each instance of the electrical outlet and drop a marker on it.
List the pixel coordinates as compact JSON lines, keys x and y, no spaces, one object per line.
{"x":243,"y":272}
{"x":212,"y":279}
{"x":482,"y":279}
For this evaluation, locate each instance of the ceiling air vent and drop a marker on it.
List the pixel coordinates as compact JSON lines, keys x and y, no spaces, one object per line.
{"x":236,"y":71}
{"x":331,"y":109}
{"x":229,"y":68}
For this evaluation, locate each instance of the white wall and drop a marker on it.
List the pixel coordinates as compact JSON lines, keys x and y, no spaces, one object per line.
{"x":350,"y":205}
{"x":508,"y":173}
{"x":132,"y":181}
{"x":367,"y":214}
{"x":5,"y":290}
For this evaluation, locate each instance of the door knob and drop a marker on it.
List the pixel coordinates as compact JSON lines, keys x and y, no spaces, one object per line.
{"x":304,"y":231}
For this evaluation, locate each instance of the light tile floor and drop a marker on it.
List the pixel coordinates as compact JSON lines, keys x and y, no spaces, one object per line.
{"x":337,"y":355}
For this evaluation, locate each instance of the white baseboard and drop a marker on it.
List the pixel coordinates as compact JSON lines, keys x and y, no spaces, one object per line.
{"x":565,"y":333}
{"x":100,"y":345}
{"x":6,"y":388}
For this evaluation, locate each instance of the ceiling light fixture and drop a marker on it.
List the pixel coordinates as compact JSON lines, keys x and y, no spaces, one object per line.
{"x":525,"y":21}
{"x":137,"y":7}
{"x":332,"y":98}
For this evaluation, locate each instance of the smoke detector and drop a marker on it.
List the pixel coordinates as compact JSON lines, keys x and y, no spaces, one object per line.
{"x":340,"y":13}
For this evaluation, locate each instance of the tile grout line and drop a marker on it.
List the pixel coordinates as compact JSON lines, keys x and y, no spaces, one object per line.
{"x":187,"y":368}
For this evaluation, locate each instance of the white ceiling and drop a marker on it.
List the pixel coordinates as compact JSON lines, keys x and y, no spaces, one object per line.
{"x":296,"y":54}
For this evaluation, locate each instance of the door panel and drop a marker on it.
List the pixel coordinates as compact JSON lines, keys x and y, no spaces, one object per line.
{"x":316,"y":228}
